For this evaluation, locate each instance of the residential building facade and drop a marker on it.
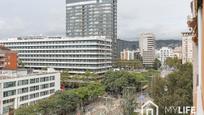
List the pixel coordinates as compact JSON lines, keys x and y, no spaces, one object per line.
{"x":187,"y":47}
{"x":21,"y":88}
{"x":77,"y":55}
{"x":147,"y":48}
{"x":164,"y":53}
{"x":86,"y":18}
{"x":8,"y":59}
{"x":196,"y":24}
{"x":127,"y":54}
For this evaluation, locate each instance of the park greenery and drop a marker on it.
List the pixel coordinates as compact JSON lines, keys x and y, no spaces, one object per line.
{"x":129,"y":64}
{"x":175,"y":89}
{"x":69,"y":101}
{"x":173,"y":62}
{"x":64,"y":102}
{"x":116,"y":82}
{"x":157,"y":64}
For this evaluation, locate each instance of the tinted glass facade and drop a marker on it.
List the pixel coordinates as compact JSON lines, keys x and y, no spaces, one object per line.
{"x":92,"y":18}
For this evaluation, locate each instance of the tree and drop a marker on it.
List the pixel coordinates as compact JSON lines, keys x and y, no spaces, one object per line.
{"x":175,"y":89}
{"x":129,"y":64}
{"x":173,"y":62}
{"x":65,"y":102}
{"x":157,"y":64}
{"x":130,"y":101}
{"x":65,"y":75}
{"x":115,"y":82}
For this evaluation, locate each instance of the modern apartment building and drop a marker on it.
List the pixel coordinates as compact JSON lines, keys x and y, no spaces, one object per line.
{"x":86,"y":18}
{"x":187,"y":47}
{"x":164,"y":53}
{"x":127,"y":54}
{"x":21,"y":88}
{"x":196,"y":24}
{"x":76,"y":55}
{"x":8,"y":59}
{"x":147,"y":48}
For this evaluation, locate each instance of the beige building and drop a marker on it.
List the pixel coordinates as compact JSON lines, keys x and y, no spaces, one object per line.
{"x":187,"y":47}
{"x":196,"y":24}
{"x":147,"y":48}
{"x":127,"y":54}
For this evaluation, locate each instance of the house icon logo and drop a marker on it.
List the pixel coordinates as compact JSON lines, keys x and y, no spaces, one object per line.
{"x":150,"y":108}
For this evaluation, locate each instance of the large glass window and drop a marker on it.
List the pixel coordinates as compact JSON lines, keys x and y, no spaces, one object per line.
{"x":52,"y":84}
{"x":35,"y":80}
{"x":44,"y":86}
{"x":9,"y":93}
{"x":22,"y":82}
{"x":24,"y":98}
{"x":22,"y":90}
{"x":35,"y":95}
{"x":34,"y":88}
{"x":52,"y":91}
{"x":44,"y":79}
{"x":44,"y":93}
{"x":8,"y":101}
{"x":52,"y":77}
{"x":9,"y":84}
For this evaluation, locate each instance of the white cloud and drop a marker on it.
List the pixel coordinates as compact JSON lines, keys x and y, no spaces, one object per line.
{"x":166,"y":18}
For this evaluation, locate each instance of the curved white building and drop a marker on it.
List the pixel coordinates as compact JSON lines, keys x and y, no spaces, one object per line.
{"x":76,"y":55}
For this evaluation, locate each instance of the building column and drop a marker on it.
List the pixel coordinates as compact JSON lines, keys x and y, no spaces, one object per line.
{"x":202,"y":54}
{"x":200,"y":88}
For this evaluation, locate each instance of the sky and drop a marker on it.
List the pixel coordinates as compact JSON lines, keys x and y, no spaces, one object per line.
{"x":165,"y":18}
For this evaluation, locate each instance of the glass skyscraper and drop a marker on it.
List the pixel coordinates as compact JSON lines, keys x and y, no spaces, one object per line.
{"x":92,"y":18}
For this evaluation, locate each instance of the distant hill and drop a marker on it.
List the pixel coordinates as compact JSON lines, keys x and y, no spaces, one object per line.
{"x":133,"y":45}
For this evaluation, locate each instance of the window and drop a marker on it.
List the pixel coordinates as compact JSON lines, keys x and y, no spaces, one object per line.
{"x":44,"y":86}
{"x":9,"y":84}
{"x":35,"y":95}
{"x":8,"y":101}
{"x":35,"y":80}
{"x":22,"y":90}
{"x":24,"y":98}
{"x":9,"y":93}
{"x":34,"y":88}
{"x":52,"y":77}
{"x":44,"y":79}
{"x":52,"y":91}
{"x":44,"y":93}
{"x":52,"y":84}
{"x":22,"y":82}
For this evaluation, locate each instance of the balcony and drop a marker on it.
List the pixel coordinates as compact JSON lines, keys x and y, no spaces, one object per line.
{"x":192,"y":22}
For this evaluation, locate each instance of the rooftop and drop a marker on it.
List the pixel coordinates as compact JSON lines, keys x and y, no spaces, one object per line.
{"x":4,"y":49}
{"x":21,"y":73}
{"x":53,"y":38}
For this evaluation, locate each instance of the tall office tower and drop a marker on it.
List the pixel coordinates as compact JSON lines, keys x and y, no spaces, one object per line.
{"x":187,"y":47}
{"x":147,"y":48}
{"x":86,"y":18}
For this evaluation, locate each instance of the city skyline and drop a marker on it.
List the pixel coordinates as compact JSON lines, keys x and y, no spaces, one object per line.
{"x":49,"y":18}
